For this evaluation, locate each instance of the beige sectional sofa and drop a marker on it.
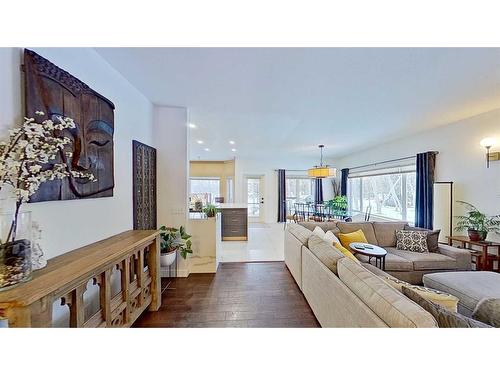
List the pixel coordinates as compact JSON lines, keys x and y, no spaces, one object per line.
{"x":343,"y":293}
{"x":405,"y":265}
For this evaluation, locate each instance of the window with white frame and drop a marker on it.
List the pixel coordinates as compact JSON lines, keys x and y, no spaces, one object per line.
{"x":299,"y":190}
{"x":204,"y":190}
{"x":389,"y":191}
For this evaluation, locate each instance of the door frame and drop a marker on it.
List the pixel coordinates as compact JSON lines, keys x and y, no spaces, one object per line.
{"x":262,"y":211}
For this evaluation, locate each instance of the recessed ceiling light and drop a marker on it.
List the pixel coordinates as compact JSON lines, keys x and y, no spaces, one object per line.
{"x":233,"y":150}
{"x":231,"y":142}
{"x":192,"y":126}
{"x":207,"y":149}
{"x":199,"y":141}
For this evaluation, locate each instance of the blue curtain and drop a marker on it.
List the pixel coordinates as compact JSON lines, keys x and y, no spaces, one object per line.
{"x":318,"y":190}
{"x":343,"y":181}
{"x":424,"y":200}
{"x":281,"y":196}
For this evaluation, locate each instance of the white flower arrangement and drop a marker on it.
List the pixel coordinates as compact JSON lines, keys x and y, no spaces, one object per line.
{"x":25,"y":159}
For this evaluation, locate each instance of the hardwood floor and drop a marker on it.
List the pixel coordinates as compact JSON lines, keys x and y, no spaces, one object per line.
{"x":260,"y":294}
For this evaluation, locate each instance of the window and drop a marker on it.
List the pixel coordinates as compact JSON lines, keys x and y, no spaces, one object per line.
{"x":390,"y":192}
{"x":299,"y":190}
{"x":204,"y":190}
{"x":230,"y":190}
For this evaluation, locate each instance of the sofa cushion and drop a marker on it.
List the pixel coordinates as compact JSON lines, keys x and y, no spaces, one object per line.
{"x":389,"y":305}
{"x":469,"y":286}
{"x":386,"y":232}
{"x":444,"y":299}
{"x":444,"y":317}
{"x":319,"y":232}
{"x":326,"y":226}
{"x":366,"y":227}
{"x":345,"y":252}
{"x":347,"y":238}
{"x":331,"y":237}
{"x":425,"y":261}
{"x":488,"y":312}
{"x":432,"y":237}
{"x":392,"y":262}
{"x":411,"y":240}
{"x":326,"y":253}
{"x":301,"y":233}
{"x":375,"y":270}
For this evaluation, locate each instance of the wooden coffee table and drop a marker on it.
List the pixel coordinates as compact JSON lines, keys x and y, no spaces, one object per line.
{"x":371,"y":251}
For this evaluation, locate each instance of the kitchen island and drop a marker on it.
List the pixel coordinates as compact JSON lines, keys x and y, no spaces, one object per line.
{"x":233,"y":221}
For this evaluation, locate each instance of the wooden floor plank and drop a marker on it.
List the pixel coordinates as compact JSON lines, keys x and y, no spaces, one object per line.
{"x":239,"y":295}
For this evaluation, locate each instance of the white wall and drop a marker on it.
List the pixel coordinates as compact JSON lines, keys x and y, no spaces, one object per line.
{"x":267,"y":168}
{"x":171,"y":143}
{"x":461,"y":159}
{"x":67,"y":225}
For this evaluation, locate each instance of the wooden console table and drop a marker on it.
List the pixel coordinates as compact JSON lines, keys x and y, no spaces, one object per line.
{"x":485,"y":259}
{"x":136,"y":253}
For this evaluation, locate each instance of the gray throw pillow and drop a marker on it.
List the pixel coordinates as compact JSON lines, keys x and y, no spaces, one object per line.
{"x":411,"y":240}
{"x":432,"y":237}
{"x":444,"y":317}
{"x":488,"y":311}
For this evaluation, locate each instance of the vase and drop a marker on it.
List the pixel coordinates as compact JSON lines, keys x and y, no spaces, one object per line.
{"x":15,"y":248}
{"x":477,"y":235}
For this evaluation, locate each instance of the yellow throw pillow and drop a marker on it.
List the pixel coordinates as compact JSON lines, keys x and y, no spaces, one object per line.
{"x":346,"y":252}
{"x":347,"y":238}
{"x":446,"y":300}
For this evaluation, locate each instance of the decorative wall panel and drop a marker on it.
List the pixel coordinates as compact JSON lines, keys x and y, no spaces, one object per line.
{"x":144,"y":184}
{"x":55,"y":92}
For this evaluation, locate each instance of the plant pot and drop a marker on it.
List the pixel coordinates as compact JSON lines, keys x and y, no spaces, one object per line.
{"x":476,"y":235}
{"x":167,"y":259}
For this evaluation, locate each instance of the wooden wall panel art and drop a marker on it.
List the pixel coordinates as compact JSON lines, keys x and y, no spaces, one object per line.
{"x":144,"y":185}
{"x":54,"y":91}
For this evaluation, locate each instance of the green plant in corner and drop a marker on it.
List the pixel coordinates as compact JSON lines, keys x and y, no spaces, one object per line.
{"x":210,"y":210}
{"x":173,"y":239}
{"x":476,"y":223}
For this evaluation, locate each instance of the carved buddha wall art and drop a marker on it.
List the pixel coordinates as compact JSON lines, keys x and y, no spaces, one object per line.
{"x":57,"y":93}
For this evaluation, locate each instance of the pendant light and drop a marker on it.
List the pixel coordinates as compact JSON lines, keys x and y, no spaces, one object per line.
{"x":321,"y":171}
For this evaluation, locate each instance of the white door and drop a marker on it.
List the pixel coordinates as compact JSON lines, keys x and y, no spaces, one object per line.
{"x":255,"y":198}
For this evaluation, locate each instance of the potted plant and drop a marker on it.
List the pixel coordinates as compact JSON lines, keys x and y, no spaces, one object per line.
{"x":210,"y":210}
{"x":337,"y":205}
{"x":477,"y":223}
{"x":173,"y":239}
{"x":26,"y":162}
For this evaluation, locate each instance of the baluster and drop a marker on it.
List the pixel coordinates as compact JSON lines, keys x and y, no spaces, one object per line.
{"x":154,"y":272}
{"x":140,"y":275}
{"x":125,"y":280}
{"x":74,"y":300}
{"x":104,"y":282}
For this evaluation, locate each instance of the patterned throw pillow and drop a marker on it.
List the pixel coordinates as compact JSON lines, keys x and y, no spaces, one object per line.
{"x":410,"y":240}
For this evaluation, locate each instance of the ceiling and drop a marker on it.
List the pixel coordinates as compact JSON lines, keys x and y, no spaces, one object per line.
{"x":286,"y":101}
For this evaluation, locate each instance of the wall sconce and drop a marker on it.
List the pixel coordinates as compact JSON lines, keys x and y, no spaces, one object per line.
{"x":488,"y":143}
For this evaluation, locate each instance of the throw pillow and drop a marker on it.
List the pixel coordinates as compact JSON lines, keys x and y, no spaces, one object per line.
{"x":488,"y":311}
{"x":446,"y":300}
{"x":415,"y":241}
{"x":319,"y":232}
{"x":432,"y":237}
{"x":347,"y":238}
{"x":444,"y":317}
{"x":346,"y":252}
{"x":331,"y":237}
